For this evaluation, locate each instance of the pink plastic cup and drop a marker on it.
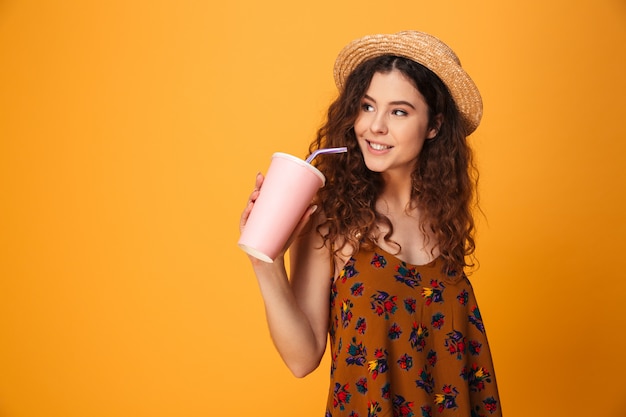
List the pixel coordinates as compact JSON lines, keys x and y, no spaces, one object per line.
{"x":289,"y":186}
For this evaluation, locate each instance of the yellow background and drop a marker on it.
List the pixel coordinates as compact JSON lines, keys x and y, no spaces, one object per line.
{"x":130,"y":134}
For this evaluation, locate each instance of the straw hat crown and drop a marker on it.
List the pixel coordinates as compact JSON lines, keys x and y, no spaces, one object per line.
{"x":424,"y":49}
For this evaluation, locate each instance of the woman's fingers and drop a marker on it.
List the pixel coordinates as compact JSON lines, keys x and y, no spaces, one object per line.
{"x":257,"y":188}
{"x":254,"y":195}
{"x":304,"y":220}
{"x":251,"y":199}
{"x":259,"y":181}
{"x":245,"y":214}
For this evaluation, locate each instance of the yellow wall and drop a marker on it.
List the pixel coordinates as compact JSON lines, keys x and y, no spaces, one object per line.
{"x":130,"y":133}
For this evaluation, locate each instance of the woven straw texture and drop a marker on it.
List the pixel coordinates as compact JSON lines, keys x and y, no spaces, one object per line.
{"x":426,"y":50}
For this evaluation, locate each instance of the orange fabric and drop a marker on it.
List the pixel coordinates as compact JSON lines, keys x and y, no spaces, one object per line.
{"x":406,"y":340}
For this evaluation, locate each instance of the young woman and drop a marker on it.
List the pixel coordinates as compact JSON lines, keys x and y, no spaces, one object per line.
{"x":377,"y":263}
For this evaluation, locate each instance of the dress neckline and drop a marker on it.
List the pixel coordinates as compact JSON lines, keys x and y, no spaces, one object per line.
{"x":428,"y":264}
{"x":378,"y":250}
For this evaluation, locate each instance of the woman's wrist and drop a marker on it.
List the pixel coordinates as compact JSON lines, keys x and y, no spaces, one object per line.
{"x":259,"y":265}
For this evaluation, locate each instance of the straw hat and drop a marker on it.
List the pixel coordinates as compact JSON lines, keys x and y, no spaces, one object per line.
{"x":424,"y":49}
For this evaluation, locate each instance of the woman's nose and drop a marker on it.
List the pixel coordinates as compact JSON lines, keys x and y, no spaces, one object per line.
{"x":379,"y":124}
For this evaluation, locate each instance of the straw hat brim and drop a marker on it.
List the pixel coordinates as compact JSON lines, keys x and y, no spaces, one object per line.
{"x":424,"y":49}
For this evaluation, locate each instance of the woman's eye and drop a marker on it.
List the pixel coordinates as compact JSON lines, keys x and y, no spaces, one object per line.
{"x":367,"y":107}
{"x":399,"y":113}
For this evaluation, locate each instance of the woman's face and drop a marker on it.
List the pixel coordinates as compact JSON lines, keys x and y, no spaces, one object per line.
{"x":392,"y":124}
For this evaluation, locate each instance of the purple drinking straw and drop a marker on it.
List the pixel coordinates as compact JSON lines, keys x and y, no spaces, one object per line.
{"x":326,"y":150}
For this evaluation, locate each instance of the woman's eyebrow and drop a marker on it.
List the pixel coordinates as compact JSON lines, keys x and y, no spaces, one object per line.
{"x":393,"y":103}
{"x":369,"y":98}
{"x":402,"y":102}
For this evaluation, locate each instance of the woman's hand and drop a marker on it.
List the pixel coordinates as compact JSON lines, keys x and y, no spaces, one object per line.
{"x":251,"y":200}
{"x":249,"y":207}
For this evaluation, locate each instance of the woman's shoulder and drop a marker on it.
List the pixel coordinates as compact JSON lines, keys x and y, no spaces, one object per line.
{"x":337,"y":248}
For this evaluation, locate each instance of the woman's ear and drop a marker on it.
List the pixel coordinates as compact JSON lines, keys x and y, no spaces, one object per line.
{"x":433,"y":131}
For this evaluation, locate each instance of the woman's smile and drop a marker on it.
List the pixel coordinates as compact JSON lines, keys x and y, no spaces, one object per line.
{"x":378,"y":146}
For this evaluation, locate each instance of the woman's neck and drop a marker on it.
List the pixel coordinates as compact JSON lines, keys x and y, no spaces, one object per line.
{"x":396,"y":197}
{"x":408,"y":241}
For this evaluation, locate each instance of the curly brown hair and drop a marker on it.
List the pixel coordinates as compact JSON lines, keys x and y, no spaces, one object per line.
{"x":443,"y":182}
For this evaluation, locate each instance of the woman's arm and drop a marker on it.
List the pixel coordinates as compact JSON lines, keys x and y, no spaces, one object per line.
{"x":297,"y":309}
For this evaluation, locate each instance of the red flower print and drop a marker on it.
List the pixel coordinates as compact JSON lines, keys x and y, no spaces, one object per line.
{"x":408,"y":276}
{"x":455,"y":342}
{"x":348,"y":271}
{"x":378,"y":261}
{"x":401,"y":407}
{"x":378,"y":365}
{"x":346,"y":312}
{"x":432,"y":358}
{"x":395,"y":331}
{"x":356,"y":353}
{"x":383,"y":304}
{"x":409,"y":305}
{"x":385,"y":391}
{"x":491,"y":404}
{"x":476,"y":319}
{"x":463,"y":297}
{"x":437,"y":320}
{"x":405,"y":362}
{"x":474,"y":347}
{"x":373,"y":408}
{"x":341,"y":396}
{"x":434,"y":293}
{"x":361,"y":325}
{"x":418,"y":336}
{"x":447,"y":400}
{"x":361,"y":385}
{"x":425,"y":381}
{"x":357,"y":289}
{"x":476,"y":376}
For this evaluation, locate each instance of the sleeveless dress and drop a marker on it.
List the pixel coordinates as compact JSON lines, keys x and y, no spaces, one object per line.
{"x":407,"y":340}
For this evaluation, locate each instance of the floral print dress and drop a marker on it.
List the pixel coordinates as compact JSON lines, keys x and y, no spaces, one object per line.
{"x":407,"y":340}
